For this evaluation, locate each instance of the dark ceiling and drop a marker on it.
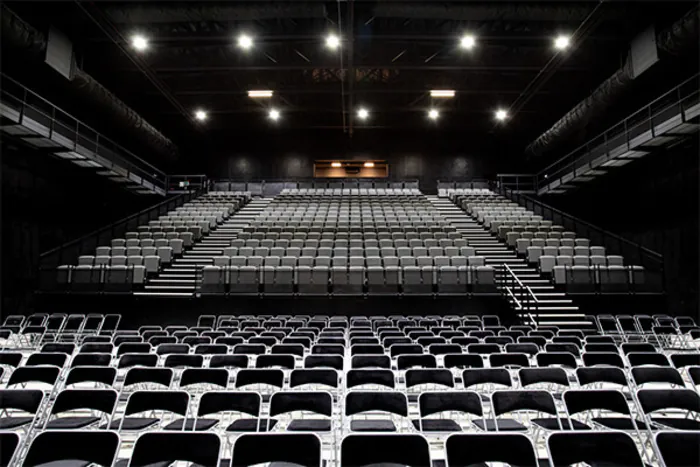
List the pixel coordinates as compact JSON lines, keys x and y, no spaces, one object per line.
{"x":392,"y":54}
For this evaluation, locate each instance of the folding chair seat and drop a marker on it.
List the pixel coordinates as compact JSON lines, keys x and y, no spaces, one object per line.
{"x":64,"y":447}
{"x":602,"y":358}
{"x":476,"y":449}
{"x":662,"y":407}
{"x":509,"y":360}
{"x":381,"y":409}
{"x":606,"y":409}
{"x":647,"y":358}
{"x":160,"y":406}
{"x":43,"y":376}
{"x":315,"y":403}
{"x":68,"y":410}
{"x":611,"y":448}
{"x":202,"y":449}
{"x":395,"y":449}
{"x":657,"y":376}
{"x":97,"y":377}
{"x":531,"y":402}
{"x":562,"y":359}
{"x":302,"y":449}
{"x":19,"y":407}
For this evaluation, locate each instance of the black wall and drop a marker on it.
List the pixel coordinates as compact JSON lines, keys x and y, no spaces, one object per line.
{"x":427,"y":156}
{"x":46,"y":202}
{"x":653,"y":201}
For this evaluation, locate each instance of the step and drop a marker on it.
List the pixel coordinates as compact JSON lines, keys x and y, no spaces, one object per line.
{"x":163,"y":294}
{"x":171,"y":281}
{"x":170,"y":287}
{"x":550,"y":294}
{"x":177,"y":276}
{"x":196,"y":260}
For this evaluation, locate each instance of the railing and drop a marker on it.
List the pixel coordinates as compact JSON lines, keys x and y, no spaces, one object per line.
{"x":674,"y":102}
{"x":633,"y":253}
{"x":524,"y":300}
{"x":73,"y":140}
{"x":186,"y":183}
{"x":274,"y":187}
{"x":68,"y":253}
{"x":518,"y":182}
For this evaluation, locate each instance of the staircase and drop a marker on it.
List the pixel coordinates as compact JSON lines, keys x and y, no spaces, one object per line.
{"x":179,"y":278}
{"x":553,"y":308}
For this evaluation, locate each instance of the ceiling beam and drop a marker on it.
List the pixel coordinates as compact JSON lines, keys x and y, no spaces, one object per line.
{"x":395,"y":66}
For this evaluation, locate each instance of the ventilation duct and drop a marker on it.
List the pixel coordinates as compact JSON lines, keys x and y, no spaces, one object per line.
{"x":32,"y":43}
{"x":678,"y":39}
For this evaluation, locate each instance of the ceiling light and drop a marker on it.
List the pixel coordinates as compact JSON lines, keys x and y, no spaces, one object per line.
{"x":274,"y":114}
{"x":363,"y":114}
{"x":245,"y":42}
{"x":139,"y":42}
{"x":336,"y":164}
{"x":467,"y":42}
{"x":442,"y":93}
{"x":433,"y":114}
{"x":369,"y":164}
{"x":562,"y":42}
{"x":261,"y":93}
{"x":332,"y":41}
{"x":200,"y":115}
{"x":501,"y":115}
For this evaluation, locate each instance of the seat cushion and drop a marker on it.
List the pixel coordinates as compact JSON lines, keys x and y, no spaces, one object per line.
{"x":132,"y":423}
{"x":14,"y":422}
{"x":619,"y":423}
{"x":252,"y":424}
{"x":551,"y":424}
{"x":71,"y":423}
{"x":442,"y":425}
{"x":309,"y":425}
{"x":504,"y":424}
{"x":201,"y":425}
{"x":678,"y":423}
{"x":372,"y":425}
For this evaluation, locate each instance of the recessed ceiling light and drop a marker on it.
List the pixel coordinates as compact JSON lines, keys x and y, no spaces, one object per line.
{"x":139,"y":42}
{"x":442,"y":93}
{"x":260,"y":93}
{"x":369,"y":164}
{"x":433,"y":114}
{"x":332,"y":41}
{"x":363,"y":113}
{"x":274,"y":114}
{"x":200,"y":115}
{"x":501,"y":115}
{"x":336,"y":164}
{"x":467,"y":42}
{"x":562,"y":42}
{"x":245,"y":42}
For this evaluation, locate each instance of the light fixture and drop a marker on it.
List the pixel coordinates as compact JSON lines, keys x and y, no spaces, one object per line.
{"x":336,"y":164}
{"x":200,"y":115}
{"x":467,"y":42}
{"x":274,"y":115}
{"x":442,"y":93}
{"x":562,"y":42}
{"x":245,"y":42}
{"x":433,"y":114}
{"x":362,"y":114}
{"x":332,"y":41}
{"x":139,"y":42}
{"x":501,"y":115}
{"x":260,"y":93}
{"x":369,"y":164}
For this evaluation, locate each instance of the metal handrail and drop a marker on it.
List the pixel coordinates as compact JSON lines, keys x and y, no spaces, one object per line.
{"x":510,"y":292}
{"x":544,"y":176}
{"x":173,"y":201}
{"x":59,"y":118}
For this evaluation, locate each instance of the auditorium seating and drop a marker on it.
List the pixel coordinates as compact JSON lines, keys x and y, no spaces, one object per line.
{"x":350,"y":391}
{"x":124,"y":263}
{"x":349,"y":242}
{"x":570,"y":261}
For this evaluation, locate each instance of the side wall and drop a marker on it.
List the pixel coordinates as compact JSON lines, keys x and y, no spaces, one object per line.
{"x":46,"y":202}
{"x":653,"y":201}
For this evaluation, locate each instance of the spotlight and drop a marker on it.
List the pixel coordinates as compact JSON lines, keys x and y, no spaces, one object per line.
{"x":501,"y":115}
{"x":139,"y":42}
{"x":468,"y":42}
{"x":442,"y":93}
{"x":562,"y":42}
{"x":332,"y":41}
{"x":274,"y":115}
{"x":433,"y":114}
{"x":201,"y":115}
{"x":336,"y":164}
{"x":261,"y":93}
{"x":363,"y":114}
{"x":245,"y":42}
{"x":369,"y":164}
